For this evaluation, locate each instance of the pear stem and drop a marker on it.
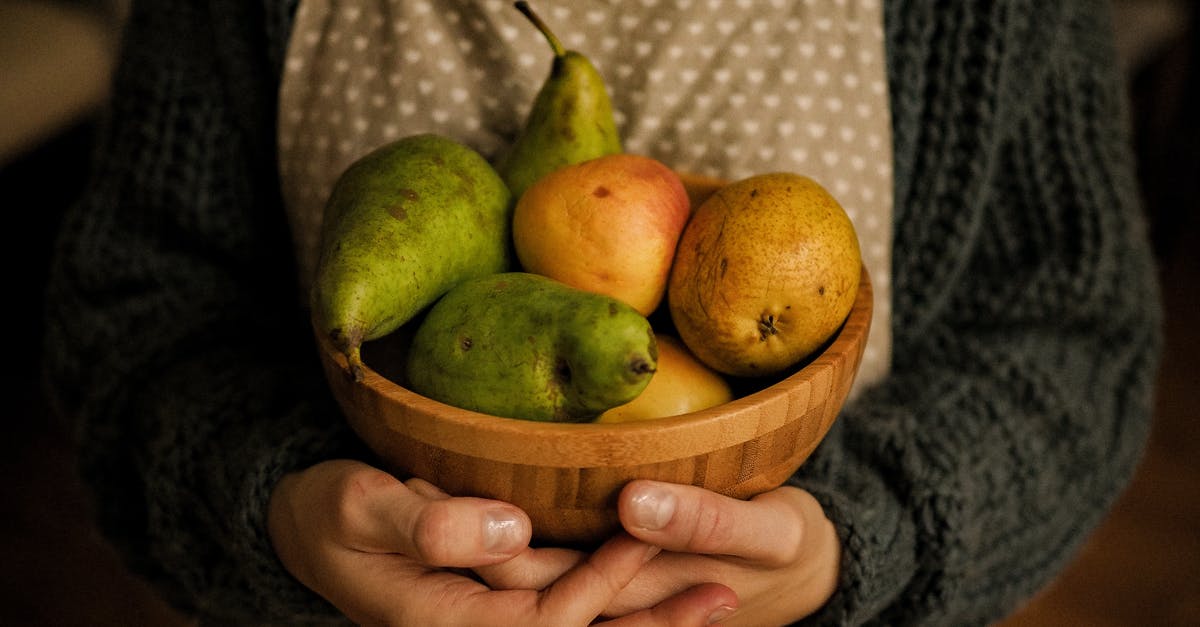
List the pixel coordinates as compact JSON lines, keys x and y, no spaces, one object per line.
{"x":355,"y":363}
{"x":524,"y":8}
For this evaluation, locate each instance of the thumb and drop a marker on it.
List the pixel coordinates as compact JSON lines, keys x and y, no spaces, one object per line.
{"x":436,"y":530}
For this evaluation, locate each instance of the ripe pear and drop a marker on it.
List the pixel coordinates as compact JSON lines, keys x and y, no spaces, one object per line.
{"x":521,"y":345}
{"x":766,"y":271}
{"x":571,"y":119}
{"x":609,"y":225}
{"x":403,"y":225}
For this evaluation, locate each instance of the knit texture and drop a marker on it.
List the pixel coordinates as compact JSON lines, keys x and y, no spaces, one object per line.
{"x":1026,"y":318}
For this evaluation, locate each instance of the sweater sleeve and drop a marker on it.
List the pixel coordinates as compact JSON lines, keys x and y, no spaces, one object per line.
{"x":1026,"y":321}
{"x":175,"y":336}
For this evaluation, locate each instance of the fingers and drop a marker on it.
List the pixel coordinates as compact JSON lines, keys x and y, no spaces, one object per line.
{"x":383,"y":515}
{"x":768,"y":529}
{"x":532,"y":569}
{"x":705,"y":604}
{"x":586,"y":590}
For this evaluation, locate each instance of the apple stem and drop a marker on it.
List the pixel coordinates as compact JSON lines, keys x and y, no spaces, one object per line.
{"x":555,"y":44}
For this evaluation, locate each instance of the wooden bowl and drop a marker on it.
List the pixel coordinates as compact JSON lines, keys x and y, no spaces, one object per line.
{"x":567,"y":476}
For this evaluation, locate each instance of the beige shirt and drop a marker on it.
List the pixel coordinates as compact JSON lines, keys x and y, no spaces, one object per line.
{"x":725,"y":88}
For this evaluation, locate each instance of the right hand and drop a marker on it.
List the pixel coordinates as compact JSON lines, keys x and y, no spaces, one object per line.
{"x":384,"y":553}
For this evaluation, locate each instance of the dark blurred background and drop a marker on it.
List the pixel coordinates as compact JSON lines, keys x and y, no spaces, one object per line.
{"x":1141,"y":567}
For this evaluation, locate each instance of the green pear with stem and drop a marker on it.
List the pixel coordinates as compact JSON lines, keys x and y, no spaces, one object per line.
{"x":571,"y":120}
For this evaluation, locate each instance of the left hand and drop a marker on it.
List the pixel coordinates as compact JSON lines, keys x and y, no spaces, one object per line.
{"x":778,"y":552}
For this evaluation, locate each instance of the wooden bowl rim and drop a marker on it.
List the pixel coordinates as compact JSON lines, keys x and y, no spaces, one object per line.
{"x":601,"y":444}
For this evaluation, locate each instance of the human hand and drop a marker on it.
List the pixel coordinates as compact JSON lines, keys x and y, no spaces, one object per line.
{"x":778,"y":552}
{"x":385,"y":552}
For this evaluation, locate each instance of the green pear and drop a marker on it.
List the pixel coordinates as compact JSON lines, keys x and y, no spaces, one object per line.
{"x":521,"y":345}
{"x":571,"y":120}
{"x":403,"y":225}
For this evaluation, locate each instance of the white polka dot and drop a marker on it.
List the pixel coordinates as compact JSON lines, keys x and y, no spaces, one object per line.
{"x":771,"y":101}
{"x":799,"y":155}
{"x":740,"y":50}
{"x":629,"y":21}
{"x":833,"y":103}
{"x":830,"y":157}
{"x":786,"y":128}
{"x":804,"y":101}
{"x":440,"y":116}
{"x":816,"y":130}
{"x":766,"y":153}
{"x":750,"y":126}
{"x":642,"y":48}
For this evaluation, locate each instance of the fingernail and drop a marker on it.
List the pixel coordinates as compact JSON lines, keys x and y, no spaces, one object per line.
{"x":652,"y":507}
{"x":503,"y":531}
{"x":720,"y":614}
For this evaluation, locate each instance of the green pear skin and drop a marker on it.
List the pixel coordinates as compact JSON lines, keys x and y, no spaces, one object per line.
{"x":571,"y":120}
{"x":521,"y":345}
{"x":403,"y":225}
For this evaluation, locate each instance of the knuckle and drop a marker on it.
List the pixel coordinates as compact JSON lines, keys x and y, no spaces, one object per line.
{"x":712,"y":528}
{"x":432,"y":534}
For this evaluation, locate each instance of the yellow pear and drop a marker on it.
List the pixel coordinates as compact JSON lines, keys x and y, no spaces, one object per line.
{"x":680,"y":385}
{"x":765,"y":272}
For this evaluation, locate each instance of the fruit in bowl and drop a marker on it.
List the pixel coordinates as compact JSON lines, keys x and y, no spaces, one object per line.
{"x":566,"y":476}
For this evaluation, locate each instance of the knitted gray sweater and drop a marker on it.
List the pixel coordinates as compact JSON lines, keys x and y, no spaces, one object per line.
{"x":1026,"y":317}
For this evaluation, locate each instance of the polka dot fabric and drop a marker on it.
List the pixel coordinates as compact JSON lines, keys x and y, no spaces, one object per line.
{"x":725,"y":88}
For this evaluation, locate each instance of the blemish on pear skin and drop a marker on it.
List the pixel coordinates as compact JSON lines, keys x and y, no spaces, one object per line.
{"x":466,"y":343}
{"x":406,"y":195}
{"x":601,"y":192}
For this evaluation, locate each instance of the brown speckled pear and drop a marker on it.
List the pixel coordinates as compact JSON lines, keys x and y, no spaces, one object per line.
{"x":765,"y":272}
